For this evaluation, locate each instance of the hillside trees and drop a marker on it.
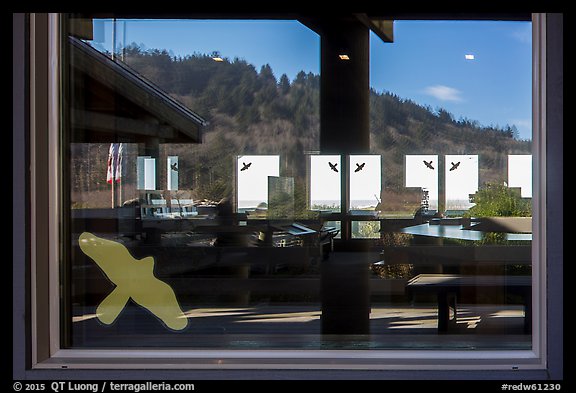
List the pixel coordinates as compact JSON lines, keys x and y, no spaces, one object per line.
{"x":251,"y":111}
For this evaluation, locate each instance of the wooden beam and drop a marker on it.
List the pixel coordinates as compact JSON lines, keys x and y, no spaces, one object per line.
{"x":81,"y":28}
{"x":383,"y":28}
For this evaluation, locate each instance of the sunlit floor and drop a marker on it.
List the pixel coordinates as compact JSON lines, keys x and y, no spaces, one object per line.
{"x":299,"y":326}
{"x":382,"y":318}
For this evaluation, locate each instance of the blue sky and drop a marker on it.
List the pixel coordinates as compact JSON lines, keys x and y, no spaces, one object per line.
{"x":426,"y":63}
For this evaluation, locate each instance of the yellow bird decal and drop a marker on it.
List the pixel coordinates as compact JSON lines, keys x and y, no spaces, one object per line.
{"x":134,"y":279}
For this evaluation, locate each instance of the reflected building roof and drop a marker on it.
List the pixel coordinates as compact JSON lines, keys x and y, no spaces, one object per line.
{"x":112,"y":102}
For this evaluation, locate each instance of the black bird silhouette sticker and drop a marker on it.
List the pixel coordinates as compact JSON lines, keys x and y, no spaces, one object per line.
{"x":428,"y":164}
{"x":454,"y":166}
{"x":333,"y":166}
{"x":174,"y":166}
{"x":245,"y":166}
{"x":359,"y":167}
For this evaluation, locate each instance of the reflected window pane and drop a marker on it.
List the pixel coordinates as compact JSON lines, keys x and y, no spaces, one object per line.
{"x":365,"y":229}
{"x":253,"y":173}
{"x":172,"y":173}
{"x":461,"y":177}
{"x":520,"y":173}
{"x":333,"y":226}
{"x":325,"y":182}
{"x":421,"y":170}
{"x":365,"y":182}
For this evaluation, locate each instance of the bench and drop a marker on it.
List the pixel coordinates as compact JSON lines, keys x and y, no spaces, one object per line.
{"x":448,"y":287}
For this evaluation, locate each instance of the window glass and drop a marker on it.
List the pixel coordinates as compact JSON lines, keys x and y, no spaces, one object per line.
{"x":365,"y":229}
{"x":461,"y":177}
{"x":450,"y":116}
{"x":325,"y":182}
{"x":203,"y":213}
{"x":365,"y":182}
{"x":421,"y":171}
{"x":520,"y":173}
{"x":189,"y":184}
{"x":253,"y":173}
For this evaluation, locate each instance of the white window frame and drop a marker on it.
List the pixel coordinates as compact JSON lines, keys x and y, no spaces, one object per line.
{"x":47,"y":352}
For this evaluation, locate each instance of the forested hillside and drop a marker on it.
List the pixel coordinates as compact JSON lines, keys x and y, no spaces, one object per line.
{"x":252,"y":111}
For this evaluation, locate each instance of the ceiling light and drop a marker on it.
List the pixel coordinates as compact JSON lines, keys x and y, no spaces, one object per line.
{"x":469,"y":57}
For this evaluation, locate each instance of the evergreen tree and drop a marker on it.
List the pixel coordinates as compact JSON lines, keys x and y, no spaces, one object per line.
{"x":249,"y":111}
{"x":284,"y":84}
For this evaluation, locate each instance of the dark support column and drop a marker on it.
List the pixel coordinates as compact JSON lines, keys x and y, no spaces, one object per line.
{"x":446,"y":301}
{"x":346,"y":294}
{"x":344,"y":130}
{"x":344,"y":88}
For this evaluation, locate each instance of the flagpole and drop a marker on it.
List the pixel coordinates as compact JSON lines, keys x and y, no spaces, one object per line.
{"x":110,"y":173}
{"x":113,"y":192}
{"x":119,"y":173}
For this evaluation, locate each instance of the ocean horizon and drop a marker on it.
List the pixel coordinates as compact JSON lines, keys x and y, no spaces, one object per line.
{"x":460,"y":204}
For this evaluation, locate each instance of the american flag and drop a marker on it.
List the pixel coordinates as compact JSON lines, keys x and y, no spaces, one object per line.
{"x":115,"y":162}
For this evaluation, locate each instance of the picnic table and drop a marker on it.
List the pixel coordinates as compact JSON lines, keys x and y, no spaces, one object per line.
{"x":449,"y":287}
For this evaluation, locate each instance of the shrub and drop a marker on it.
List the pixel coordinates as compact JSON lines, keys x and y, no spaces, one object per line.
{"x":498,"y":200}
